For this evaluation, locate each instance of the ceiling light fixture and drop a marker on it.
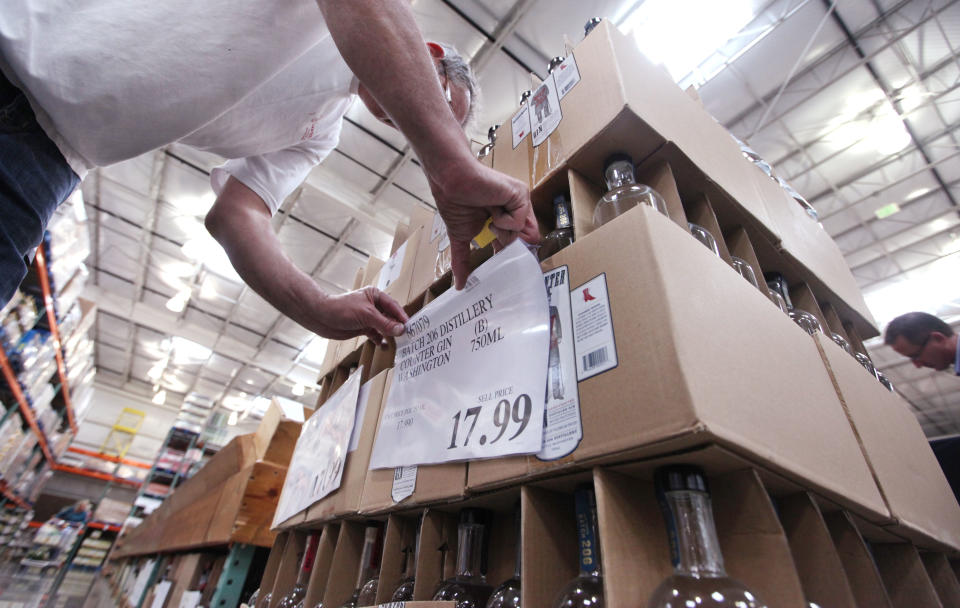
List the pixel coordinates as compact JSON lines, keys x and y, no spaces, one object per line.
{"x":298,"y":389}
{"x":160,"y":397}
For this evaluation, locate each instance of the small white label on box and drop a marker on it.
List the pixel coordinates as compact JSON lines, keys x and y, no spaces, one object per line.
{"x":439,"y":408}
{"x":567,"y":76}
{"x":439,"y":228}
{"x":404,"y":482}
{"x":391,"y":269}
{"x":562,"y":430}
{"x":545,"y":112}
{"x":520,"y":124}
{"x":593,"y":328}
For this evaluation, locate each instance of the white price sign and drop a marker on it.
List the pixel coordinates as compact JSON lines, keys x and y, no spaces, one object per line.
{"x":470,"y":371}
{"x":316,"y":467}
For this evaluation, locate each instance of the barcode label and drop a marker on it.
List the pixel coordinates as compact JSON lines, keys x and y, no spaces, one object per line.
{"x":593,"y":328}
{"x":597,"y":357}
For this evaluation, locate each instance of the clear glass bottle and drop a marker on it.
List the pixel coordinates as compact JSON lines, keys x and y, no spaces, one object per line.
{"x":841,"y":342}
{"x":885,"y":381}
{"x":623,"y":191}
{"x":585,"y":591}
{"x":554,"y":64}
{"x":507,"y":594}
{"x":778,"y":283}
{"x":806,"y":320}
{"x":699,"y":578}
{"x":264,"y":600}
{"x":778,"y":300}
{"x":525,"y":96}
{"x":491,"y":141}
{"x":589,"y":25}
{"x":866,"y":362}
{"x":404,"y":592}
{"x":252,"y":602}
{"x":296,"y":595}
{"x":369,"y":571}
{"x":468,"y":588}
{"x":745,"y":269}
{"x":562,"y":234}
{"x":703,"y":235}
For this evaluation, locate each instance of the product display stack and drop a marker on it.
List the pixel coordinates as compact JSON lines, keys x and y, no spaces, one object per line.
{"x":668,"y":403}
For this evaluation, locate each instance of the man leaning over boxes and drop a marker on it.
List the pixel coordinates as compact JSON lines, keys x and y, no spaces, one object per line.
{"x":266,"y":84}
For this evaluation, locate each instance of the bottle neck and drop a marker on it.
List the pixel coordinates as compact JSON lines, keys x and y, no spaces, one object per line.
{"x":693,"y":536}
{"x":562,"y":212}
{"x":517,"y":565}
{"x":469,"y":550}
{"x":586,"y":507}
{"x":619,"y":174}
{"x":309,"y":555}
{"x":368,"y":557}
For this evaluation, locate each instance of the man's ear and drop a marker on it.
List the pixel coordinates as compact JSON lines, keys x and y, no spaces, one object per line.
{"x":436,"y":51}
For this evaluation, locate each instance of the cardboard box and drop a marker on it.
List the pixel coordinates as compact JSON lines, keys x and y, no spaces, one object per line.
{"x":702,"y":357}
{"x":858,"y":564}
{"x":634,"y":545}
{"x":908,"y":474}
{"x":624,"y":103}
{"x":347,"y":498}
{"x":322,"y":565}
{"x":904,"y":576}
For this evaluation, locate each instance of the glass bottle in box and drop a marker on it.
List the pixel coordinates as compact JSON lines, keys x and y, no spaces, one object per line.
{"x":468,"y":588}
{"x":295,"y":597}
{"x":745,"y":269}
{"x":589,"y":25}
{"x":699,"y":578}
{"x":585,"y":591}
{"x":404,"y":593}
{"x":623,"y":191}
{"x":369,"y":571}
{"x":507,"y":594}
{"x":703,"y":235}
{"x":562,"y":234}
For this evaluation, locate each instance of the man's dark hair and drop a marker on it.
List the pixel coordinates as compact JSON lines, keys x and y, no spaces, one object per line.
{"x":915,"y":327}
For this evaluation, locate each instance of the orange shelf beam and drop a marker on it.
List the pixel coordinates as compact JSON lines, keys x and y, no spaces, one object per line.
{"x":41,"y":263}
{"x":109,"y":458}
{"x":25,"y":410}
{"x":8,"y":493}
{"x":95,"y":475}
{"x":99,"y":525}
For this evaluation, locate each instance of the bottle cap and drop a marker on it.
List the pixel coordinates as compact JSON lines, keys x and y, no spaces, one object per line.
{"x":616,"y":158}
{"x":524,"y":96}
{"x":589,"y":25}
{"x":559,"y":200}
{"x":680,"y":477}
{"x":556,"y":61}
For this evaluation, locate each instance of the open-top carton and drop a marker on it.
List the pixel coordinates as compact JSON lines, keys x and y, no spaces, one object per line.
{"x":910,"y":479}
{"x":703,"y":357}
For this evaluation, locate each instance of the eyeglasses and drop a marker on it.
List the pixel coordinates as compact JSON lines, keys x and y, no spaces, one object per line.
{"x":446,"y":85}
{"x":923,"y":347}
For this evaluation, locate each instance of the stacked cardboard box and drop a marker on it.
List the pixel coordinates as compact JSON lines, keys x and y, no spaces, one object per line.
{"x":825,"y":489}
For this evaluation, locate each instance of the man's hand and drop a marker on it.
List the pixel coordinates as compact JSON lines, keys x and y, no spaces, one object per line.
{"x":240,"y":221}
{"x":468,"y":196}
{"x":381,"y":43}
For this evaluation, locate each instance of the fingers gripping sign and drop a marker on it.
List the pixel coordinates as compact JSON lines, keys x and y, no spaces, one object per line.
{"x":472,"y":197}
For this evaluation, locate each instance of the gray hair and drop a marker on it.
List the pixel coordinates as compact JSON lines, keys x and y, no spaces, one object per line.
{"x":460,"y":74}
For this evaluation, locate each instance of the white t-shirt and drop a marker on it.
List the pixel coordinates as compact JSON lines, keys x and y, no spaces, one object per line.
{"x":258,"y":82}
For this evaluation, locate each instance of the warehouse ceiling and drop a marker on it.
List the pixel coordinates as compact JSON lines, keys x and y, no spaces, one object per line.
{"x":855,"y":103}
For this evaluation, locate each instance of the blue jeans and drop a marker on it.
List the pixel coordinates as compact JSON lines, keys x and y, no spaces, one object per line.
{"x":34,"y":180}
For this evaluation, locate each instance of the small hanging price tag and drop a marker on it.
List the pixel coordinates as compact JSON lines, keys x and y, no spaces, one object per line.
{"x":545,"y":112}
{"x":391,"y":269}
{"x":404,"y":482}
{"x":567,"y":76}
{"x":470,"y":371}
{"x":520,"y":125}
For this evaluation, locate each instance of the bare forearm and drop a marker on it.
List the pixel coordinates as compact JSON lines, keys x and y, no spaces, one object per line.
{"x":257,"y":256}
{"x":381,"y":43}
